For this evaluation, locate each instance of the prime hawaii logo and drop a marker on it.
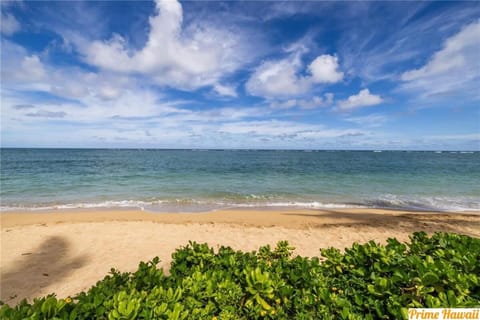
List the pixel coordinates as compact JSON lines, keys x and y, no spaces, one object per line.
{"x":443,"y":313}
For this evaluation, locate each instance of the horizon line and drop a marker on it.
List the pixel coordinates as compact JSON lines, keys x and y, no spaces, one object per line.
{"x":234,"y":149}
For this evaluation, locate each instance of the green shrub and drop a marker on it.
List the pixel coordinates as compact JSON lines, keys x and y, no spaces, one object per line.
{"x":369,"y":281}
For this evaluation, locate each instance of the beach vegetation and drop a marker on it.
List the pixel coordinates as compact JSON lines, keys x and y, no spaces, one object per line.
{"x":365,"y":281}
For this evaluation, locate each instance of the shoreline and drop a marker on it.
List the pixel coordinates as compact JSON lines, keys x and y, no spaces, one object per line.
{"x":200,"y":207}
{"x":254,"y":217}
{"x":251,"y":217}
{"x":69,"y":251}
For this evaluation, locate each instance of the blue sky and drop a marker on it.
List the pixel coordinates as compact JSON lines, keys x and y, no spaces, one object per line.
{"x":208,"y":74}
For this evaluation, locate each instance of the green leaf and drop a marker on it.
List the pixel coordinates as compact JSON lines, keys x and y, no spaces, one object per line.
{"x":430,"y":278}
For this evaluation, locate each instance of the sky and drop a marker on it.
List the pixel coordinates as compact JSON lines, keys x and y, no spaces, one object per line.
{"x":241,"y":74}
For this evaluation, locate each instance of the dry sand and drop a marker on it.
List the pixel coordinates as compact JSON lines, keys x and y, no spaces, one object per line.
{"x":67,"y":252}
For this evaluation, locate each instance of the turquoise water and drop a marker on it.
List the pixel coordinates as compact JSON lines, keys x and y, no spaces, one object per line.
{"x":199,"y":180}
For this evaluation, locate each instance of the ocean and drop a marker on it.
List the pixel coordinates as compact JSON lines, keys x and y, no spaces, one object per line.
{"x":204,"y":180}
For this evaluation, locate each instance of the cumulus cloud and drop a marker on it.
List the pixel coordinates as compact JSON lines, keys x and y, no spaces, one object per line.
{"x":282,"y":78}
{"x":83,"y":94}
{"x":363,"y":99}
{"x":324,"y":69}
{"x":278,"y":78}
{"x":186,"y":58}
{"x":10,"y":25}
{"x":103,"y":105}
{"x":455,"y":69}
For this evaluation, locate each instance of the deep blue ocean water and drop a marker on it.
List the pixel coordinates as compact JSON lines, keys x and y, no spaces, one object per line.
{"x":200,"y":180}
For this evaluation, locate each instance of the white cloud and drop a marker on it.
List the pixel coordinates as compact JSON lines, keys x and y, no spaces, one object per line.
{"x":224,"y":114}
{"x":316,"y":101}
{"x":324,"y":69}
{"x":455,"y":69}
{"x":109,"y":92}
{"x":70,"y":90}
{"x":99,"y":104}
{"x":187,"y":58}
{"x":33,"y":67}
{"x":224,"y":90}
{"x":371,"y":120}
{"x":83,"y":95}
{"x":47,"y":114}
{"x":282,"y":78}
{"x":104,"y":110}
{"x":467,"y":136}
{"x":312,"y":103}
{"x":278,"y":78}
{"x":10,"y":25}
{"x":286,"y":130}
{"x":20,"y":69}
{"x":363,"y":99}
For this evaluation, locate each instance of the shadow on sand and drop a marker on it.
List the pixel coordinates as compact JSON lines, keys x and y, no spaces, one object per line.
{"x":34,"y":270}
{"x":426,"y":221}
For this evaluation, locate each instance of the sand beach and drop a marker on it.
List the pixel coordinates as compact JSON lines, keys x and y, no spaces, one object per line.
{"x":69,"y":251}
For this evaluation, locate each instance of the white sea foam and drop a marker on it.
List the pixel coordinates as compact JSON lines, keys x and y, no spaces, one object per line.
{"x":255,"y":201}
{"x":437,"y":203}
{"x":80,"y":205}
